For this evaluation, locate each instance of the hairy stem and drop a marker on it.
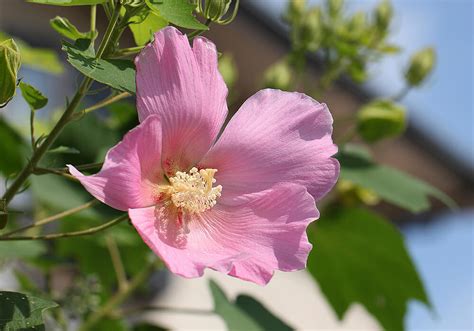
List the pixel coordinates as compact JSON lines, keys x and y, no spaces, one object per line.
{"x":51,"y":218}
{"x":70,"y":234}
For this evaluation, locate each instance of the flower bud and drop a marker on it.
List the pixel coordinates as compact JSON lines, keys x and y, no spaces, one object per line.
{"x":380,"y":119}
{"x":9,"y":65}
{"x":215,"y":10}
{"x":421,"y":64}
{"x":310,"y":33}
{"x":278,"y":76}
{"x":383,"y":15}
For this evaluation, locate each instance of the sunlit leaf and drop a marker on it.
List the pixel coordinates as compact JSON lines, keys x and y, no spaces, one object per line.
{"x":390,"y":184}
{"x":35,"y":99}
{"x":359,"y":257}
{"x":20,"y":311}
{"x":144,"y":28}
{"x":65,"y":28}
{"x":178,"y":12}
{"x":118,"y":74}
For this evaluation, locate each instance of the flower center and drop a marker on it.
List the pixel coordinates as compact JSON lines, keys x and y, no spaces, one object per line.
{"x":193,"y":192}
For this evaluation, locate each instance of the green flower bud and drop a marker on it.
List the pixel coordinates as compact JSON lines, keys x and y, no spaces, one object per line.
{"x":310,"y":33}
{"x":421,"y":65}
{"x":278,"y":76}
{"x":215,"y":10}
{"x":381,"y":119}
{"x":9,"y":65}
{"x":383,"y":15}
{"x":295,"y":10}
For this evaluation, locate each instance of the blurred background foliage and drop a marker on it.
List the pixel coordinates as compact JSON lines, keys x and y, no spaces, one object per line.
{"x":106,"y":277}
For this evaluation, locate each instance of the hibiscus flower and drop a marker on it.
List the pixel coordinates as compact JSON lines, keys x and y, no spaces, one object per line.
{"x":238,"y":203}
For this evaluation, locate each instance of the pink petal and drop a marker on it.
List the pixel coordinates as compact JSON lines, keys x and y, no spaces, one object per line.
{"x":183,"y":86}
{"x":131,"y":169}
{"x":249,"y":241}
{"x":275,"y":137}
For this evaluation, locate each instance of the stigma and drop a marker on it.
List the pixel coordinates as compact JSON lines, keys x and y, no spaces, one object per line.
{"x":193,"y":192}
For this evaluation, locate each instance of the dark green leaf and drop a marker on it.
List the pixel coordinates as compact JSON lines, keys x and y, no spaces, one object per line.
{"x":359,"y":257}
{"x":260,"y":314}
{"x":24,"y":312}
{"x":63,"y":150}
{"x":235,"y":318}
{"x":144,"y":28}
{"x":41,"y":59}
{"x":65,"y":28}
{"x":32,"y":96}
{"x":118,"y":74}
{"x":390,"y":184}
{"x":68,"y":2}
{"x":11,"y":150}
{"x":178,"y":12}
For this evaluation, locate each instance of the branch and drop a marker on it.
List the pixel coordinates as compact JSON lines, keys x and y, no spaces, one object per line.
{"x":70,"y":234}
{"x":117,"y":263}
{"x":51,"y":218}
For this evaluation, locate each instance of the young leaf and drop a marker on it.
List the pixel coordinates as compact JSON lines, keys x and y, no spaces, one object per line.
{"x":20,"y":311}
{"x":359,"y":257}
{"x":68,"y":2}
{"x":390,"y":184}
{"x":233,"y":316}
{"x":32,"y":96}
{"x":65,"y":28}
{"x":118,"y":74}
{"x":178,"y":12}
{"x":144,"y":28}
{"x":9,"y":66}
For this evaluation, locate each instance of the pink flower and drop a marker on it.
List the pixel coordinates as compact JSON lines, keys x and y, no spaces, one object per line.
{"x":240,"y":205}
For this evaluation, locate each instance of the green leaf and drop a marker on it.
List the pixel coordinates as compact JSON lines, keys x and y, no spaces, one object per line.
{"x":260,"y":314}
{"x":68,"y":2}
{"x":21,"y":249}
{"x":145,"y":27}
{"x":118,"y":74}
{"x":233,"y":316}
{"x":41,"y":59}
{"x":65,"y":28}
{"x":359,"y":257}
{"x":11,"y":150}
{"x":20,"y":311}
{"x":390,"y":184}
{"x":64,"y":150}
{"x":32,"y":96}
{"x":178,"y":12}
{"x":9,"y":66}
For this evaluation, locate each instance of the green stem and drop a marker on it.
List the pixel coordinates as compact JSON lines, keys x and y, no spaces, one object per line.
{"x":101,"y":104}
{"x":60,"y":172}
{"x":117,"y":263}
{"x":32,"y":129}
{"x":70,"y":234}
{"x":127,"y":51}
{"x":63,"y":121}
{"x":93,"y":21}
{"x":139,"y":309}
{"x":51,"y":218}
{"x":117,"y":299}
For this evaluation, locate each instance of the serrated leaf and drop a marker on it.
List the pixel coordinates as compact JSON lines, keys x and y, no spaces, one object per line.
{"x":118,"y":74}
{"x":35,"y":99}
{"x":178,"y":12}
{"x":65,"y":28}
{"x":390,"y":184}
{"x":359,"y":257}
{"x":68,"y":2}
{"x":42,"y":59}
{"x":63,"y":150}
{"x":144,"y":29}
{"x":20,"y":311}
